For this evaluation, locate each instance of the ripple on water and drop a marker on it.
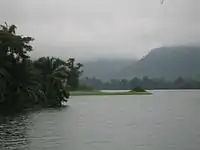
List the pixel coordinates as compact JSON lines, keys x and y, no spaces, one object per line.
{"x":13,"y":133}
{"x":163,"y":121}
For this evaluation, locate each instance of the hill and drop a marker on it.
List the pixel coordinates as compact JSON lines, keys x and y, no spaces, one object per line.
{"x":105,"y":69}
{"x":168,"y":62}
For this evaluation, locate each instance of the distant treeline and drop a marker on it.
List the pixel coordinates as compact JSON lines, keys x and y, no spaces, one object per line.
{"x":25,"y":84}
{"x":145,"y":82}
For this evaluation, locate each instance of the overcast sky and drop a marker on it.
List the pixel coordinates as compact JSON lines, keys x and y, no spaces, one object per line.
{"x":88,"y":29}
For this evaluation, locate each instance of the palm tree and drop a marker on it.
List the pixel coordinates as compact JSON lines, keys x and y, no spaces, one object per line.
{"x":54,"y":76}
{"x":74,"y":73}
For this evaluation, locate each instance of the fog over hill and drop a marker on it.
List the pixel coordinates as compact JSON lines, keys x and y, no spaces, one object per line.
{"x":105,"y":69}
{"x":168,"y":62}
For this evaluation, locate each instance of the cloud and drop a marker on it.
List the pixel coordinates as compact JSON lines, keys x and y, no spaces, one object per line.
{"x":103,"y":28}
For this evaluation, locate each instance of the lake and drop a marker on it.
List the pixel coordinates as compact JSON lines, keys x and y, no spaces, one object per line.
{"x":166,"y":120}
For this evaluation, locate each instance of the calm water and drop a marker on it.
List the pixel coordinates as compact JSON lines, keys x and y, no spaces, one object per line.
{"x":166,"y":120}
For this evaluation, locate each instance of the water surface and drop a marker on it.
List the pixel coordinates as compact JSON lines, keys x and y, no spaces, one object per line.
{"x":166,"y":120}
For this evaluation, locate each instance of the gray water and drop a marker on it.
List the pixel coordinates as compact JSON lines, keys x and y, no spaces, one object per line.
{"x":166,"y":120}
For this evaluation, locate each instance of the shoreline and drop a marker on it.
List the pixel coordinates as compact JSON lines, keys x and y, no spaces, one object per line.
{"x":99,"y":93}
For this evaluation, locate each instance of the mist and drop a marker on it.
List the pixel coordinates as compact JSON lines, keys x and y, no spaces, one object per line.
{"x":91,"y":29}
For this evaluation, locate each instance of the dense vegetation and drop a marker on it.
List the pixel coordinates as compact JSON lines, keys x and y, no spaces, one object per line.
{"x":145,"y":82}
{"x":138,"y":89}
{"x":25,"y":83}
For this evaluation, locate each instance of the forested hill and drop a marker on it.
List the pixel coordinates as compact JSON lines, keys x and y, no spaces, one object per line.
{"x":168,"y":62}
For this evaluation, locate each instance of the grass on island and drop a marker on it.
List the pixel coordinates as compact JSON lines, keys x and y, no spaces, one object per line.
{"x":99,"y":93}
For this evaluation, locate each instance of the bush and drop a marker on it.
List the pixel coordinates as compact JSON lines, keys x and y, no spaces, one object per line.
{"x":138,"y":89}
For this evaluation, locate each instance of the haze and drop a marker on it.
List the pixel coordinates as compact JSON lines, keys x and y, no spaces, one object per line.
{"x":90,"y":29}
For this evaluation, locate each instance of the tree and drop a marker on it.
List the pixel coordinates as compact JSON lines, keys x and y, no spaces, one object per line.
{"x":54,"y":76}
{"x":74,"y":73}
{"x":14,"y":87}
{"x":26,"y":84}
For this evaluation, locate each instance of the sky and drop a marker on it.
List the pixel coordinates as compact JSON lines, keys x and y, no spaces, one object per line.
{"x":93,"y":29}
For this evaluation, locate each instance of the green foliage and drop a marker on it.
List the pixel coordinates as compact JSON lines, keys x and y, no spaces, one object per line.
{"x":53,"y":78}
{"x":138,"y":89}
{"x":74,"y":73}
{"x":26,"y":84}
{"x":16,"y":86}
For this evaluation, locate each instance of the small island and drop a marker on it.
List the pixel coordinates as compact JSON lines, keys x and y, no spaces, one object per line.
{"x":134,"y":91}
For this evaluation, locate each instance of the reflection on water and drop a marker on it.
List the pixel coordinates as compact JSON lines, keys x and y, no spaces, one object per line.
{"x":13,"y":133}
{"x":166,"y":120}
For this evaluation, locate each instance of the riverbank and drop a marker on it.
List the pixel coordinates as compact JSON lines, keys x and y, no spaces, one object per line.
{"x":100,"y":93}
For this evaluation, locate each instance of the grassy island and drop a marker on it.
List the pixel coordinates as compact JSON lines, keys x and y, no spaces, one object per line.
{"x":99,"y":93}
